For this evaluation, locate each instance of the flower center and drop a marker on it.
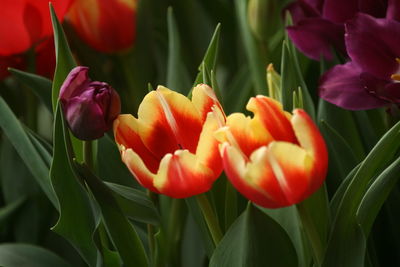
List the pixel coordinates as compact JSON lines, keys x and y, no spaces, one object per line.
{"x":396,"y":76}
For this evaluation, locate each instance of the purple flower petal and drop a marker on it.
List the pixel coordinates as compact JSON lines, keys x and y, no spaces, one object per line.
{"x":342,"y":86}
{"x":315,"y":37}
{"x":301,"y":10}
{"x":393,"y":10}
{"x":339,"y":10}
{"x":74,"y":83}
{"x":373,"y":44}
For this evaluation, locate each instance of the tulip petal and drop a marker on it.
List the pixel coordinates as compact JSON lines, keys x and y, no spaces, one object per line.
{"x":166,"y":117}
{"x":342,"y":86}
{"x":273,"y":117}
{"x":204,"y":98}
{"x":137,"y":167}
{"x":207,"y":149}
{"x":74,"y":83}
{"x":126,"y":129}
{"x":236,"y":169}
{"x":181,"y":175}
{"x":311,"y":140}
{"x":248,"y":133}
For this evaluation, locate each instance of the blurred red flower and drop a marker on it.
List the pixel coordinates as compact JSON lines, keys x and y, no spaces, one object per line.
{"x":26,"y":24}
{"x":107,"y":26}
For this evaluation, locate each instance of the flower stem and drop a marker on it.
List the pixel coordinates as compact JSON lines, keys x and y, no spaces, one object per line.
{"x":88,"y":154}
{"x":150,"y":228}
{"x":210,"y":218}
{"x":312,"y":233}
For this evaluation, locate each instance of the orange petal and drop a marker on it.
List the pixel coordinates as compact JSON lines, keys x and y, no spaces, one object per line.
{"x":204,"y":98}
{"x":181,"y":175}
{"x":311,"y":140}
{"x":170,"y":122}
{"x":136,"y":166}
{"x":272,"y":116}
{"x":126,"y":136}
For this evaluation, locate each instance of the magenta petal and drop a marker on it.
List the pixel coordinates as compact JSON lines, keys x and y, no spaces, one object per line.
{"x":315,"y":37}
{"x":74,"y":83}
{"x":339,"y":10}
{"x":393,"y":10}
{"x":342,"y":86}
{"x":373,"y":44}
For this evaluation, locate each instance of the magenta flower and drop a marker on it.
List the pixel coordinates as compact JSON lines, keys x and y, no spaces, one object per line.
{"x":319,"y":24}
{"x":372,"y":78}
{"x":89,"y":107}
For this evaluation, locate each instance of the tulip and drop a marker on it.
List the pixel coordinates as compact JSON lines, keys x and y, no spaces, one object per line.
{"x":89,"y":107}
{"x":371,"y":78}
{"x":170,"y":148}
{"x":274,"y":159}
{"x":107,"y":26}
{"x":27,"y":25}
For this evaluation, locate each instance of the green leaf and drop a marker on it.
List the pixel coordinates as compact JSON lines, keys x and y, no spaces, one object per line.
{"x":341,"y":153}
{"x":13,"y":129}
{"x":177,"y":75}
{"x":21,"y":255}
{"x":64,"y":59}
{"x":254,"y":239}
{"x":122,"y":233}
{"x":255,"y":60}
{"x":346,"y":246}
{"x":376,"y":195}
{"x":74,"y":201}
{"x":8,"y":210}
{"x":41,"y":86}
{"x":135,"y":204}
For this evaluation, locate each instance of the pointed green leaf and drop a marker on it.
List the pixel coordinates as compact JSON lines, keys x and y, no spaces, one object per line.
{"x":74,"y":201}
{"x":135,"y":204}
{"x":13,"y":129}
{"x":121,"y":232}
{"x":254,"y":239}
{"x":41,"y":86}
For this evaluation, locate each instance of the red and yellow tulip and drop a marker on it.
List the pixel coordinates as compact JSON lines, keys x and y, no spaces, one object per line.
{"x":107,"y":26}
{"x":274,"y":159}
{"x":170,"y":148}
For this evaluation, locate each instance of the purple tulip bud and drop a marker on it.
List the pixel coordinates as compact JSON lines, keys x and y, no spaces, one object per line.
{"x":89,"y":107}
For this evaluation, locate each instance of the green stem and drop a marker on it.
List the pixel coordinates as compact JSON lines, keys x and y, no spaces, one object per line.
{"x":210,"y":218}
{"x":312,"y":233}
{"x":88,"y":154}
{"x":150,"y":228}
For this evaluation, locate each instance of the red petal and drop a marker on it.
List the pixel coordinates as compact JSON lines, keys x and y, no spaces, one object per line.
{"x":275,"y":120}
{"x":181,"y":175}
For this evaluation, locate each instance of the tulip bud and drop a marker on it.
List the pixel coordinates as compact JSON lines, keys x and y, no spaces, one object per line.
{"x":263,"y":18}
{"x":89,"y":107}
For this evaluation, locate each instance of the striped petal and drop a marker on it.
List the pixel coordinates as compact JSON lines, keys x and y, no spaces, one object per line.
{"x":137,"y":167}
{"x":273,"y":117}
{"x":126,"y":129}
{"x":204,"y":98}
{"x":311,"y":140}
{"x":166,"y":117}
{"x":182,"y":175}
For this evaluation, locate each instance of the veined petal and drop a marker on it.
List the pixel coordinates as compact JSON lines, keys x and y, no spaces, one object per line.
{"x":204,"y":98}
{"x":311,"y":140}
{"x":166,"y":117}
{"x":181,"y":175}
{"x":136,"y":166}
{"x":248,"y":133}
{"x":273,"y":118}
{"x":207,"y":151}
{"x":126,"y":129}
